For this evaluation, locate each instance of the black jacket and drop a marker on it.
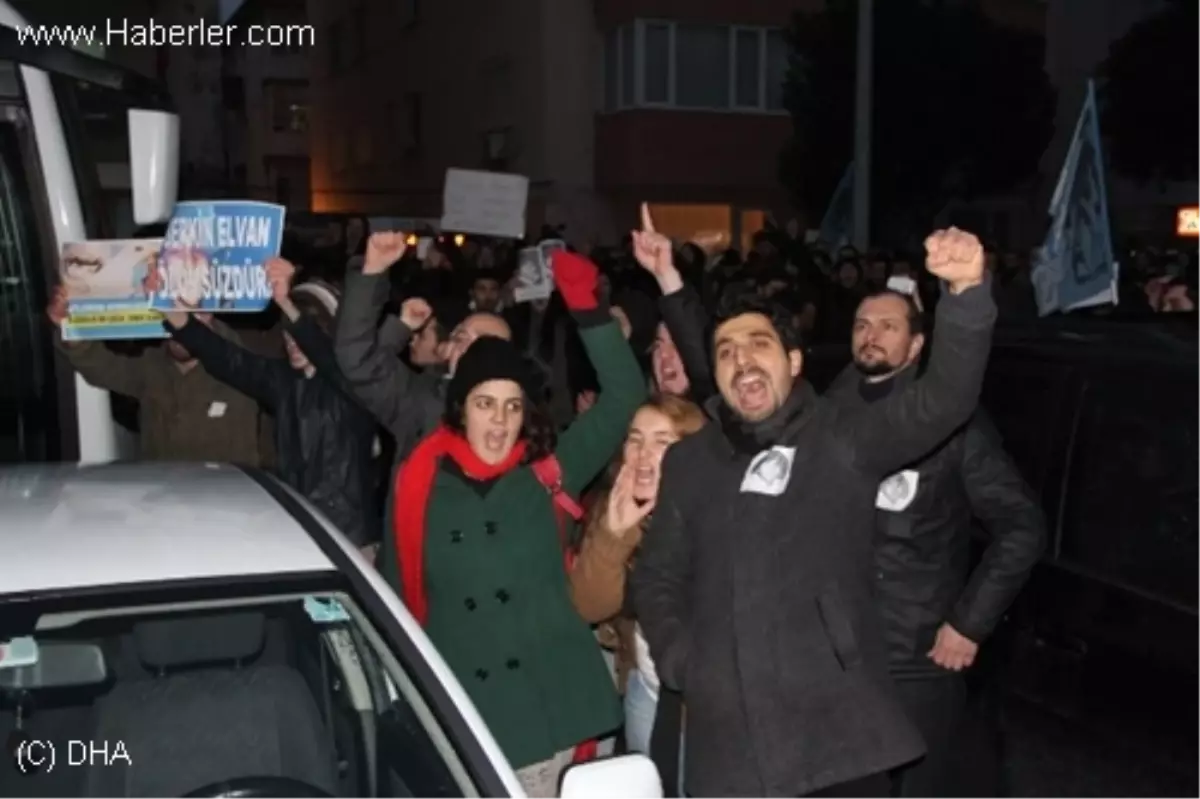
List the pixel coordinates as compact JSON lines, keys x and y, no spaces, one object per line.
{"x":323,"y":438}
{"x":923,"y":532}
{"x":761,"y":608}
{"x":409,"y":404}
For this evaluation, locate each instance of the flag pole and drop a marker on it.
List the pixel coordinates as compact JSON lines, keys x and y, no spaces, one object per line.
{"x":864,"y":80}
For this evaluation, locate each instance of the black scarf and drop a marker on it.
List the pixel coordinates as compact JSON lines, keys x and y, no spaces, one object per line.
{"x":874,"y":391}
{"x":751,"y":437}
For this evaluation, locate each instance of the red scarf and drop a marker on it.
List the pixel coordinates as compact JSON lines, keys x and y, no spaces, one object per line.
{"x":414,"y":483}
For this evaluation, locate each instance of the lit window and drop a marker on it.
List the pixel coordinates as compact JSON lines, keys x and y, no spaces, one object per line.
{"x":710,"y":226}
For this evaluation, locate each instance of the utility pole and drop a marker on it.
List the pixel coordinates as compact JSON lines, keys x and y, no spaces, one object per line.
{"x":863,"y":89}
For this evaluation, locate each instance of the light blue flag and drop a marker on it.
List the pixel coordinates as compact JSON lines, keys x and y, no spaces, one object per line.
{"x":837,"y":226}
{"x":214,"y":253}
{"x":1075,"y":266}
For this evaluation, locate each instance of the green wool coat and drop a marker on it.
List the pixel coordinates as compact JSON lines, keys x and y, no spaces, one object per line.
{"x":500,"y":611}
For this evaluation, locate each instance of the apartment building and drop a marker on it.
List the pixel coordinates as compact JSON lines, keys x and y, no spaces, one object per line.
{"x":601,"y":103}
{"x":265,"y":108}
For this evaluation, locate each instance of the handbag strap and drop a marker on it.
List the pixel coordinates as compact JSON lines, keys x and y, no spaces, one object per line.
{"x":548,"y":472}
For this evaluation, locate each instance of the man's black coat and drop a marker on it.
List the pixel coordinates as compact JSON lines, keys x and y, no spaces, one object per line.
{"x":760,"y":608}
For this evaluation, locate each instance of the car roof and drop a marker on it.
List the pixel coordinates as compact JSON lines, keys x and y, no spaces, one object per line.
{"x":65,"y":526}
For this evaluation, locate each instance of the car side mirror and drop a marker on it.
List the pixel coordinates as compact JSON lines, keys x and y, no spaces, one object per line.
{"x":632,"y":776}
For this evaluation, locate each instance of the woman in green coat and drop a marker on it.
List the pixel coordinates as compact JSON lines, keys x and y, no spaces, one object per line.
{"x":477,"y":552}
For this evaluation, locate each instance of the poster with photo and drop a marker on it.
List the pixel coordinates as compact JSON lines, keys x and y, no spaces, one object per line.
{"x":534,"y":281}
{"x":108,"y":291}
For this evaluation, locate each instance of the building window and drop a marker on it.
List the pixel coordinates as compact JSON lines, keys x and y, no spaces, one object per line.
{"x":748,"y":67}
{"x":710,"y":226}
{"x":628,"y":67}
{"x":497,"y":149}
{"x":701,"y":66}
{"x":283,"y":190}
{"x":777,"y":69}
{"x":695,"y":66}
{"x":288,"y":101}
{"x":656,"y":63}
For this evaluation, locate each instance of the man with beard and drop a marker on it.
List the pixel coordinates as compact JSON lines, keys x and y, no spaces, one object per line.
{"x":935,"y":613}
{"x":755,"y":586}
{"x":184,"y":413}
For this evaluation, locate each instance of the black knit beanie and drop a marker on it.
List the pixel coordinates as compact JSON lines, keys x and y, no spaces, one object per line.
{"x":489,"y":358}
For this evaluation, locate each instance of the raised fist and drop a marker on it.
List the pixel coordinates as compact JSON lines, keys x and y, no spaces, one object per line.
{"x":414,"y":313}
{"x":956,"y":257}
{"x":651,"y":248}
{"x":280,"y":273}
{"x":383,"y":250}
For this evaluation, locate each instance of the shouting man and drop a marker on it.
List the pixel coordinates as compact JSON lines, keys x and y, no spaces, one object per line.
{"x":755,"y":584}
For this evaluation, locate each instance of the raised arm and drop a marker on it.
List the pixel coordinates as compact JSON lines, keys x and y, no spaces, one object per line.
{"x":586,"y":446}
{"x":1002,"y":500}
{"x":598,"y":575}
{"x":887,"y":435}
{"x":316,"y":346}
{"x":378,"y":379}
{"x":661,"y":578}
{"x":254,"y":375}
{"x":681,"y":306}
{"x":96,"y":363}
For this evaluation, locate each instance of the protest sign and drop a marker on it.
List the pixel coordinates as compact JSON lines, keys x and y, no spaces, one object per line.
{"x":107,"y":290}
{"x":213,"y":255}
{"x":533,"y":275}
{"x":485,"y":203}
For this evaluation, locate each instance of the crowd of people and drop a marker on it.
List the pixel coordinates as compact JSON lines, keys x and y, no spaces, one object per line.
{"x":622,"y":515}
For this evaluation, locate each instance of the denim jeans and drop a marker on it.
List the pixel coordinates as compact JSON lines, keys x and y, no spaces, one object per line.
{"x":640,"y":706}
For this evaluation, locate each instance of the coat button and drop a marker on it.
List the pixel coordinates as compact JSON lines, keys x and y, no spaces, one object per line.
{"x":470,"y":603}
{"x":503,"y":596}
{"x":513,"y":663}
{"x":481,"y":674}
{"x":456,"y":536}
{"x":490,"y":528}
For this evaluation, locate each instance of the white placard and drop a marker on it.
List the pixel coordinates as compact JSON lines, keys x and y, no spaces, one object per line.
{"x":485,"y":203}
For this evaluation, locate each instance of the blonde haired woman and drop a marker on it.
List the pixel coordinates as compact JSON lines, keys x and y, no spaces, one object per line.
{"x":607,"y":554}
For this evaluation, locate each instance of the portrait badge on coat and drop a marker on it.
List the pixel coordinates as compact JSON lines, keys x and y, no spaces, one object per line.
{"x":897,"y":492}
{"x":769,"y":472}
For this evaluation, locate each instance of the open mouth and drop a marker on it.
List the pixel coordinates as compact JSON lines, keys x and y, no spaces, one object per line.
{"x":752,"y":390}
{"x":643,"y":476}
{"x":495,"y":440}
